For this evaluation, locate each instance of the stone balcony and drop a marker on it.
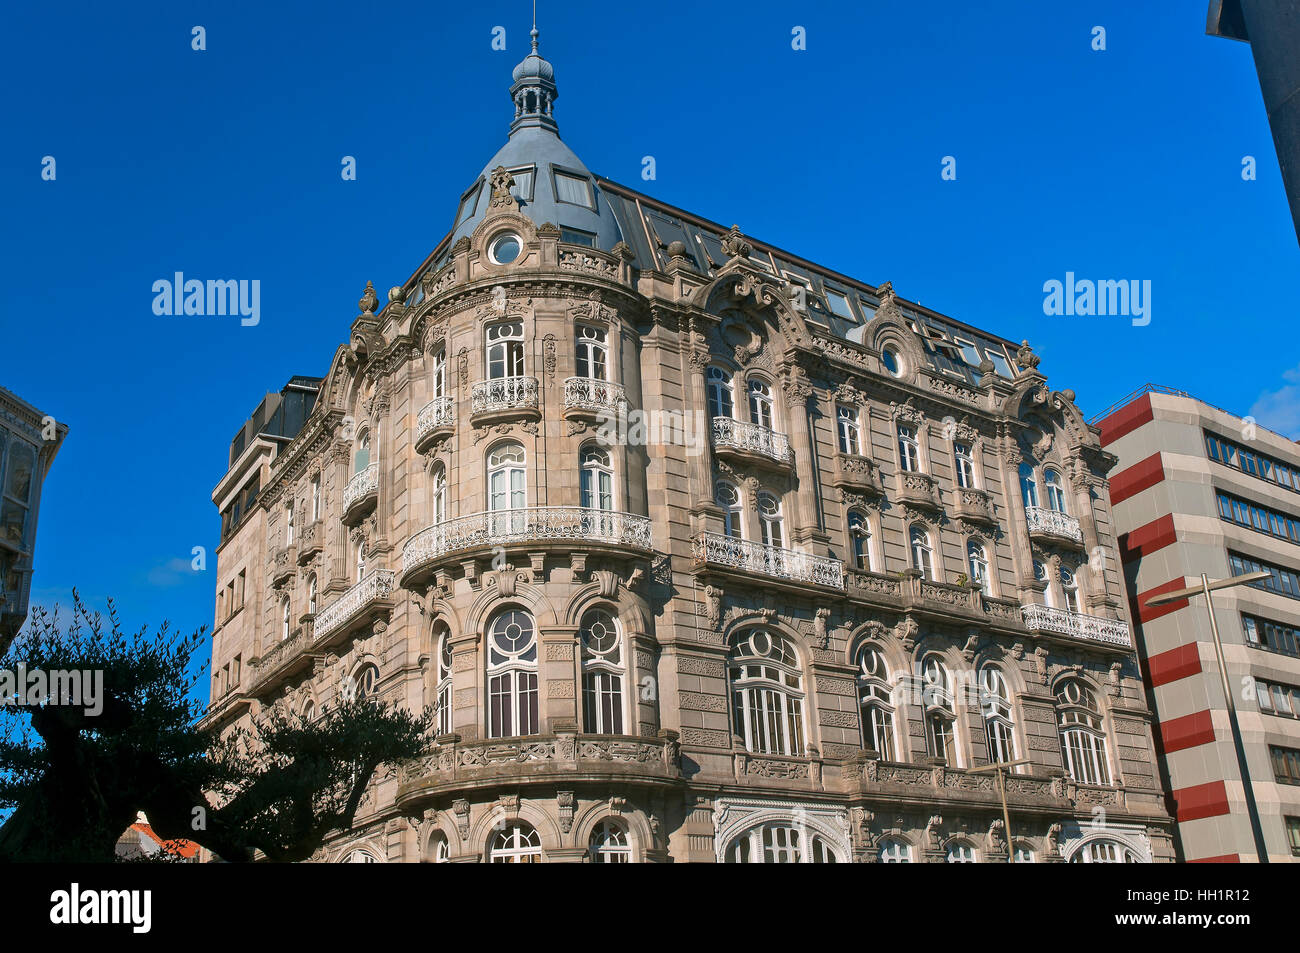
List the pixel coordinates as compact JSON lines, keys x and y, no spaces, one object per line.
{"x":436,"y":419}
{"x":284,"y":563}
{"x":564,"y":756}
{"x":287,"y":657}
{"x":918,"y":489}
{"x":570,"y":527}
{"x":1077,"y":625}
{"x":1053,"y":524}
{"x":310,"y":541}
{"x":586,"y":397}
{"x":975,"y":505}
{"x":744,"y":443}
{"x":718,"y":551}
{"x":370,"y":598}
{"x":505,"y":398}
{"x":910,"y":591}
{"x":361,"y":494}
{"x":855,"y":472}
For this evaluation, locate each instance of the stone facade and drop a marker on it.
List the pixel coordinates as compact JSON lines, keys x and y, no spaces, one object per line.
{"x":539,"y":511}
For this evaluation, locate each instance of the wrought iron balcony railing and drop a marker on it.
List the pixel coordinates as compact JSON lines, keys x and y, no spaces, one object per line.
{"x":720,"y":550}
{"x":1077,"y":625}
{"x":525,"y":525}
{"x":374,"y":587}
{"x":1053,"y":523}
{"x":596,"y":396}
{"x":361,"y":485}
{"x":743,"y":437}
{"x":437,"y":414}
{"x":503,"y":394}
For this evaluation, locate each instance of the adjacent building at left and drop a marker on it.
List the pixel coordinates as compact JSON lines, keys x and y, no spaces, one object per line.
{"x":29,"y":440}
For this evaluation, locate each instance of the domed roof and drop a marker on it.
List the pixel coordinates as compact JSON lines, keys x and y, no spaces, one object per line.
{"x":551,"y":183}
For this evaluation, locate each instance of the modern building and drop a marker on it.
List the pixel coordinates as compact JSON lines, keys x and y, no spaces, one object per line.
{"x":1203,"y":491}
{"x":700,"y":551}
{"x":29,"y":441}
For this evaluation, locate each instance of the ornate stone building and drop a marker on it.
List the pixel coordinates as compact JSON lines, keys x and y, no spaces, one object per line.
{"x":701,"y":552}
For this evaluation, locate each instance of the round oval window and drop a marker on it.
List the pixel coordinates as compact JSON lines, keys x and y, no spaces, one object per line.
{"x":505,"y":248}
{"x":889,"y":357}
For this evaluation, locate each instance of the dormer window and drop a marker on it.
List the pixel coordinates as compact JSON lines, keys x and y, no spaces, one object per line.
{"x":573,"y":190}
{"x":576,"y":236}
{"x":839,"y":305}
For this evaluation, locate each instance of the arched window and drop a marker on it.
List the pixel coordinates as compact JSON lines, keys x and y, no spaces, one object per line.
{"x":519,"y":843}
{"x":767,"y":693}
{"x":995,"y":705}
{"x":442,"y":708}
{"x":361,"y":457}
{"x":439,"y":494}
{"x":596,"y":479}
{"x":439,"y":374}
{"x":876,"y":703}
{"x":505,"y":350}
{"x":311,"y":594}
{"x":850,"y":433}
{"x":728,"y":497}
{"x":284,"y":618}
{"x":1102,"y":851}
{"x":961,"y":853}
{"x":1070,"y":588}
{"x":308,"y":714}
{"x":592,"y":357}
{"x":940,"y":716}
{"x":895,"y":852}
{"x":909,"y":449}
{"x":965,"y":463}
{"x":770,"y":520}
{"x":360,"y":856}
{"x":922,"y":552}
{"x":977,"y":560}
{"x":363,"y":683}
{"x":1025,"y":855}
{"x":721,"y":403}
{"x":779,"y":844}
{"x":602,"y":674}
{"x":1028,"y":485}
{"x":1055,"y":492}
{"x":860,"y":540}
{"x":760,"y":404}
{"x":512,"y":675}
{"x":608,"y":844}
{"x":361,"y":560}
{"x":438,"y":851}
{"x":1083,"y":736}
{"x":507,"y":487}
{"x":1040,"y":573}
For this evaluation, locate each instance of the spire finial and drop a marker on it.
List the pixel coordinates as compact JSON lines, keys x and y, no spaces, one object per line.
{"x":534,"y":35}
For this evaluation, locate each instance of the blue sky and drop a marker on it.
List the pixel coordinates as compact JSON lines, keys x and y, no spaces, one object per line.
{"x":225,"y":164}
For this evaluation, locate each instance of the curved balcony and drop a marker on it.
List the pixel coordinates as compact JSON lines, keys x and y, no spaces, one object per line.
{"x":744,"y":443}
{"x":919,"y":489}
{"x":285,"y":658}
{"x":1053,"y":524}
{"x":787,"y":565}
{"x":588,"y":397}
{"x":436,"y":419}
{"x":972,"y":504}
{"x":576,"y":526}
{"x":568,"y":756}
{"x":1077,"y":625}
{"x":361,"y":494}
{"x":504,"y":398}
{"x":856,"y":472}
{"x":371,"y":597}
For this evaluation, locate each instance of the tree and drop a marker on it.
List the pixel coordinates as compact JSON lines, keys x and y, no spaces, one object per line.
{"x":76,"y":770}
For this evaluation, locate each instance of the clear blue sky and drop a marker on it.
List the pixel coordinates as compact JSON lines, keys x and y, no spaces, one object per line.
{"x":225,"y":164}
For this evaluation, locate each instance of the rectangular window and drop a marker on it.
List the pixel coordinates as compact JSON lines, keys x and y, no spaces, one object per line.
{"x":850,"y":442}
{"x":1000,"y":363}
{"x":1293,"y":834}
{"x":315,"y":497}
{"x":288,"y":523}
{"x":1286,"y":764}
{"x":969,"y":352}
{"x":839,"y":305}
{"x":467,"y":204}
{"x":1282,"y":581}
{"x":965,"y":465}
{"x":576,"y":236}
{"x":909,"y":451}
{"x":523,"y":187}
{"x":1230,"y":454}
{"x":239,"y":591}
{"x":1273,"y":636}
{"x":1259,"y":518}
{"x":573,"y":189}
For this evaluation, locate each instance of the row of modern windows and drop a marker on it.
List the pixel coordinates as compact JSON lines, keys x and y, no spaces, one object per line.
{"x":1274,"y":636}
{"x":1259,"y":518}
{"x":768,"y":697}
{"x":1277,"y":699}
{"x":1280,"y":580}
{"x":1286,"y":764}
{"x":1239,"y":457}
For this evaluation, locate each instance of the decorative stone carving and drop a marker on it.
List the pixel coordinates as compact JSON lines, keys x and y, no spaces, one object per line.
{"x":734,"y":244}
{"x":566,"y":802}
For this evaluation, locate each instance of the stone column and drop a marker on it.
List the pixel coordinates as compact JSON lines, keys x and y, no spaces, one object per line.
{"x":466,"y":675}
{"x":1018,"y":532}
{"x":699,"y":466}
{"x":558,"y":678}
{"x":808,"y":530}
{"x":1082,"y":482}
{"x":337,"y":564}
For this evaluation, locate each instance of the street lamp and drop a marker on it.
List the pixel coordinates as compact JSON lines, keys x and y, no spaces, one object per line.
{"x":1205,"y":588}
{"x":1002,"y":792}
